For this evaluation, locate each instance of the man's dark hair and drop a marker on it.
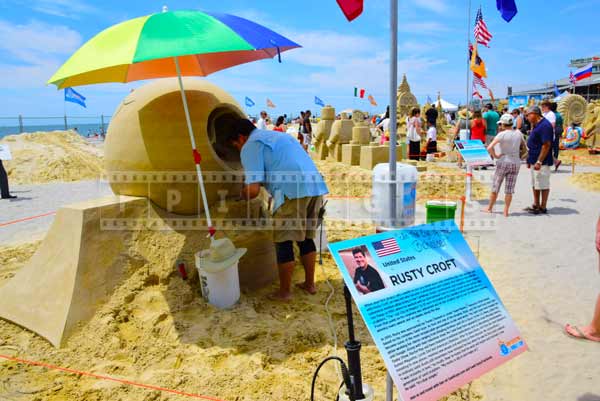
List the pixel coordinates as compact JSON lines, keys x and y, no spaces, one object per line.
{"x":415,"y":111}
{"x":235,"y":128}
{"x":489,"y":106}
{"x":358,"y":250}
{"x":307,"y":112}
{"x":554,"y":107}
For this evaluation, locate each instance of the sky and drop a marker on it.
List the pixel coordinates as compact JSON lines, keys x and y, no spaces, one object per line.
{"x":37,"y":36}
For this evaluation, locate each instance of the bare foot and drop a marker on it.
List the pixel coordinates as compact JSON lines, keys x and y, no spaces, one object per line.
{"x":486,"y":210}
{"x":582,"y":332}
{"x":278,"y":296}
{"x":311,"y":289}
{"x":506,"y":214}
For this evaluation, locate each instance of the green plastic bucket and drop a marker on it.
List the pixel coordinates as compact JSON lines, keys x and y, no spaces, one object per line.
{"x":440,"y":211}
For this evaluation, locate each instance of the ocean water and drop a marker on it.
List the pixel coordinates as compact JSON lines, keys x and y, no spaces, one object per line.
{"x":83,"y":129}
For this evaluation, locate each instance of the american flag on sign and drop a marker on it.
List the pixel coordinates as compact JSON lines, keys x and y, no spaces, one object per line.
{"x":482,"y":35}
{"x":386,"y":247}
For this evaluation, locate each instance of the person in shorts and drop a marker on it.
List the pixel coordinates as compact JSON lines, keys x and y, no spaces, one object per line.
{"x":540,"y":159}
{"x":280,"y":164}
{"x":508,"y":162}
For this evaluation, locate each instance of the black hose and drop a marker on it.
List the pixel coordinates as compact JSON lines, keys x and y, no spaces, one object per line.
{"x":345,"y":375}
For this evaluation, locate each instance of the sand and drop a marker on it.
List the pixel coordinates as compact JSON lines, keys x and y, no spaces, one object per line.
{"x":587,"y":181}
{"x":582,"y":157}
{"x":437,"y":183}
{"x":157,"y":330}
{"x":43,"y":157}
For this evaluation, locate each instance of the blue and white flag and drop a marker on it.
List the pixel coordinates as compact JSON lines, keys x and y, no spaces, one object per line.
{"x":249,"y":102}
{"x":319,"y":102}
{"x":74,"y":97}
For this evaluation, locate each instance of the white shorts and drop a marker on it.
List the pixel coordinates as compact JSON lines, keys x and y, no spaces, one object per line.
{"x":540,"y":179}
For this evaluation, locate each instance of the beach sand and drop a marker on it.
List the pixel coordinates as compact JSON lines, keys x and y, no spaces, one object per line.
{"x":52,"y":156}
{"x":156,"y":329}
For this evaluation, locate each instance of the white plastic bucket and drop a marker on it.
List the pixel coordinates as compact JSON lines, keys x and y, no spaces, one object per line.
{"x":219,"y":288}
{"x":406,"y":194}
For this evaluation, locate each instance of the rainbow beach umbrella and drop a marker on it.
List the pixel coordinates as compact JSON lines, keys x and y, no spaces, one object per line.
{"x":169,"y":44}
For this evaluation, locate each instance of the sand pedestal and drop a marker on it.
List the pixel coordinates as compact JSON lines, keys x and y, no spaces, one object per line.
{"x":93,"y":246}
{"x":351,"y":154}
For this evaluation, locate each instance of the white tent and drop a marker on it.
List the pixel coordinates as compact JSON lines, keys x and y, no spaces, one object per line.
{"x":447,"y":106}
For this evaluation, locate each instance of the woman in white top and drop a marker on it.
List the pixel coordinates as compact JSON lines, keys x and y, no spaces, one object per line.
{"x":508,"y":164}
{"x":414,"y":135}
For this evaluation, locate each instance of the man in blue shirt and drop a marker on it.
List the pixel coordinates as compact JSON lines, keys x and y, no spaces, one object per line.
{"x":491,"y":118}
{"x":280,"y":164}
{"x":540,"y":158}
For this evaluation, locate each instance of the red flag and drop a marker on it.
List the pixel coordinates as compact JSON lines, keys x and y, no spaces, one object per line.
{"x":351,"y":8}
{"x":362,"y":93}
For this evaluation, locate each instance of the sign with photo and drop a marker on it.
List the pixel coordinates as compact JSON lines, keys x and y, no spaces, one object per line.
{"x":429,"y":306}
{"x":474,"y":152}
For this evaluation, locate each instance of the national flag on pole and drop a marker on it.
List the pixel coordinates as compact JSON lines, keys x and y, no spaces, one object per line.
{"x":386,"y":247}
{"x":584,"y":72}
{"x":572,"y":78}
{"x":477,"y":64}
{"x":319,"y":102}
{"x":482,"y":34}
{"x":372,"y":100}
{"x":478,"y":81}
{"x":507,"y":8}
{"x":249,"y":102}
{"x":351,"y":8}
{"x":270,"y":103}
{"x":359,"y":92}
{"x":74,"y":97}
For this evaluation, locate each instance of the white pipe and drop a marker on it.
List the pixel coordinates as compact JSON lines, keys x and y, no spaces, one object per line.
{"x":393,"y":106}
{"x":193,"y":140}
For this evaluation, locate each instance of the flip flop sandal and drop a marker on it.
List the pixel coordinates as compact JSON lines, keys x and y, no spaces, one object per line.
{"x":531,"y":209}
{"x":580,"y":334}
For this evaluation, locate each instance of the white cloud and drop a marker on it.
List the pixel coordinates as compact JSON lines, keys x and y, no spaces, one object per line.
{"x":35,"y":51}
{"x":60,"y":8}
{"x":438,"y":6}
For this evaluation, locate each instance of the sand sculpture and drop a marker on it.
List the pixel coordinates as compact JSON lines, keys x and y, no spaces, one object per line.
{"x":92,"y":246}
{"x":406,"y":100}
{"x":361,"y":136}
{"x":323,"y":130}
{"x":341,"y":133}
{"x":573,"y":109}
{"x":591,"y":124}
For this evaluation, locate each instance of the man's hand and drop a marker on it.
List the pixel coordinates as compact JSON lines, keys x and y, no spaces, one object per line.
{"x":537,"y":166}
{"x":250,"y":191}
{"x":362,"y":288}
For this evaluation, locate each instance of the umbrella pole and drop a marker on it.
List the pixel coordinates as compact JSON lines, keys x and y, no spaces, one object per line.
{"x":195,"y":152}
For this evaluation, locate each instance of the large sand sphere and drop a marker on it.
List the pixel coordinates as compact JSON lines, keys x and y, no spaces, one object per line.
{"x":148,"y":134}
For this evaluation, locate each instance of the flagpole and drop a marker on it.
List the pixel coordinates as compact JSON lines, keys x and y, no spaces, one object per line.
{"x":469,"y":168}
{"x":393,"y":106}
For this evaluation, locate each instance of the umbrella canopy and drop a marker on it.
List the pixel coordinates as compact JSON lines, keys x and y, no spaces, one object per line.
{"x":145,"y":48}
{"x":447,"y":106}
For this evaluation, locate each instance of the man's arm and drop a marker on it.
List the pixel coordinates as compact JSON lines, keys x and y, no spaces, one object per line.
{"x":250,"y":191}
{"x":545,"y":149}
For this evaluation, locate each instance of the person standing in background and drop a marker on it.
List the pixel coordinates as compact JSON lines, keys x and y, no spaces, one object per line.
{"x":558,"y":131}
{"x":491,"y":119}
{"x":478,"y":127}
{"x":307,"y":129}
{"x":262,"y":122}
{"x":539,"y":159}
{"x":279,"y":124}
{"x":4,"y":190}
{"x":414,"y":134}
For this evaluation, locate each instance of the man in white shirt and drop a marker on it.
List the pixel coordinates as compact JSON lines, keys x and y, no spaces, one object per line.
{"x":262,"y":123}
{"x":431,"y":142}
{"x":548,"y":113}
